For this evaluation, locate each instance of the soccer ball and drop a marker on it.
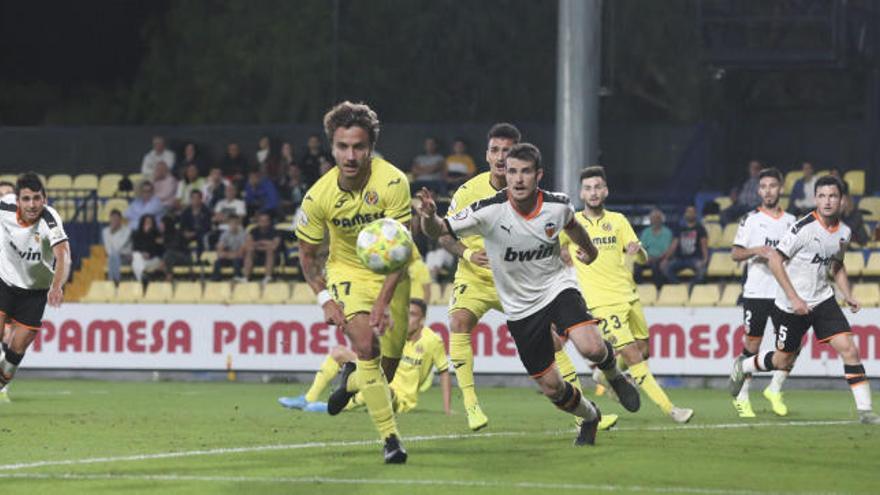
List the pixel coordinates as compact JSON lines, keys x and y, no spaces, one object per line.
{"x":384,"y":246}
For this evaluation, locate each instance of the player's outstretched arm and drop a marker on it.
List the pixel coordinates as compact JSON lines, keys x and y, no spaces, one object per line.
{"x":61,"y":251}
{"x":762,"y":253}
{"x":447,"y":391}
{"x":432,"y":225}
{"x":587,"y":251}
{"x":308,"y":260}
{"x":775,"y":263}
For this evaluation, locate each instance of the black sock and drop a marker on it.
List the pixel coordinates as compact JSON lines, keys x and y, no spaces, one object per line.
{"x":768,"y":361}
{"x":747,"y":354}
{"x":609,"y":362}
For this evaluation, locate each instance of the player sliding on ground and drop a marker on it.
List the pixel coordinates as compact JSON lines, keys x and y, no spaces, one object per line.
{"x":756,"y":238}
{"x":611,"y":292}
{"x":360,"y":189}
{"x":34,"y":265}
{"x":422,"y":353}
{"x":520,"y":226}
{"x":805,"y":257}
{"x":474,"y":293}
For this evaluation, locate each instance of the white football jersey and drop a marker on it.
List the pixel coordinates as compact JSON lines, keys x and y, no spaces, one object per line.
{"x":26,"y":257}
{"x":523,"y":250}
{"x":810,"y":248}
{"x":760,"y":228}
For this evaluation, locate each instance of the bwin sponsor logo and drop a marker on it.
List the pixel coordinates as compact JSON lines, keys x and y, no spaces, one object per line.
{"x":530,"y":255}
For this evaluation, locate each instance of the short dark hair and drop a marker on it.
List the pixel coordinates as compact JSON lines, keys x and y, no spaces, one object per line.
{"x":29,"y":180}
{"x":527,"y":152}
{"x":830,"y":180}
{"x":348,"y":114}
{"x":771,"y":172}
{"x":115,"y":211}
{"x":7,"y":184}
{"x":594,"y":171}
{"x":505,"y":131}
{"x":421,"y":304}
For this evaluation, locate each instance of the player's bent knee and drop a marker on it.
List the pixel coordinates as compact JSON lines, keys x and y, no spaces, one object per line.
{"x":462,"y":321}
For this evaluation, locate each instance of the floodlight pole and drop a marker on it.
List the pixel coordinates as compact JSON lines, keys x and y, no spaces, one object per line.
{"x":577,"y":91}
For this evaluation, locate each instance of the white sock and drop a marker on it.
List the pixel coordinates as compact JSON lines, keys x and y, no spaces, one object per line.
{"x":776,"y":382}
{"x":585,"y":410}
{"x":744,"y":391}
{"x":862,"y":394}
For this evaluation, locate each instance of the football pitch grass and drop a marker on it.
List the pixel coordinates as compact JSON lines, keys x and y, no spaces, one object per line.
{"x":63,"y":436}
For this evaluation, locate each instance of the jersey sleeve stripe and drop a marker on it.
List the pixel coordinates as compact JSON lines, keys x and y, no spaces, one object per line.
{"x":8,"y":207}
{"x":449,"y":228}
{"x":783,"y":253}
{"x":59,"y":241}
{"x":300,"y":234}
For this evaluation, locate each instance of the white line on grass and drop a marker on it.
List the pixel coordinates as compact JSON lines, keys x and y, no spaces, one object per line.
{"x":356,"y":443}
{"x":398,"y":482}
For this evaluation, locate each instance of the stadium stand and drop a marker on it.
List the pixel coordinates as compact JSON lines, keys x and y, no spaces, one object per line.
{"x":721,"y":264}
{"x":704,"y":295}
{"x":217,"y":293}
{"x":159,"y":293}
{"x":302,"y":294}
{"x":872,"y":205}
{"x":129,"y":292}
{"x":100,"y":291}
{"x":868,"y":294}
{"x":59,"y":181}
{"x":276,"y":293}
{"x":730,"y":296}
{"x":673,"y":295}
{"x":246,"y":293}
{"x":108,"y":185}
{"x":647,"y":294}
{"x":856,"y":181}
{"x":187,"y":293}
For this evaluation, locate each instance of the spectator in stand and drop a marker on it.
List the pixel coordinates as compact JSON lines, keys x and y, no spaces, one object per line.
{"x":7,"y":188}
{"x":689,"y":249}
{"x":231,"y":247}
{"x":459,"y":165}
{"x":312,"y":161}
{"x":268,"y":161}
{"x":177,"y":252}
{"x":656,"y":240}
{"x":146,"y":203}
{"x":165,"y":186}
{"x":263,"y":149}
{"x":854,"y":219}
{"x":215,"y":187}
{"x":747,"y":198}
{"x":234,"y":165}
{"x":117,"y":244}
{"x":189,"y":183}
{"x":803,"y":194}
{"x":287,"y":156}
{"x":146,"y":248}
{"x":191,"y":156}
{"x":159,"y":153}
{"x":262,"y":247}
{"x":195,"y":221}
{"x":229,"y":205}
{"x":429,"y":169}
{"x":260,"y":195}
{"x":292,"y":190}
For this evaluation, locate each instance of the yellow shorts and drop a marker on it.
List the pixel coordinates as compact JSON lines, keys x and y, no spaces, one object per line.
{"x":622,"y":323}
{"x":357,"y":294}
{"x":476,"y":296}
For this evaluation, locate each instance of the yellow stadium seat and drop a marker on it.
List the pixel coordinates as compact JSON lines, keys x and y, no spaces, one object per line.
{"x":721,"y":264}
{"x":872,"y":267}
{"x":129,"y":292}
{"x":437,"y":294}
{"x":100,"y":291}
{"x":187,"y":293}
{"x":714,"y":231}
{"x":647,"y":294}
{"x":673,"y":295}
{"x":729,"y":234}
{"x":302,"y":294}
{"x":822,"y":172}
{"x":856,"y":181}
{"x":59,"y":181}
{"x":135,"y":179}
{"x":217,"y":293}
{"x":66,"y":208}
{"x":854,"y":262}
{"x":9,"y":178}
{"x":724,"y":202}
{"x":867,"y":294}
{"x":783,"y":202}
{"x":159,"y":293}
{"x":120,"y":204}
{"x":276,"y":293}
{"x":85,"y":182}
{"x":108,"y":185}
{"x":790,"y":179}
{"x":730,"y":296}
{"x":246,"y":293}
{"x":704,"y":295}
{"x":872,"y":204}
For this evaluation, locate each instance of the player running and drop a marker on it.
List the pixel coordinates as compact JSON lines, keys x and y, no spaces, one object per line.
{"x":520,"y":226}
{"x":804,"y":258}
{"x":758,"y":234}
{"x":610,"y":290}
{"x":474,"y":291}
{"x":423,"y":352}
{"x":360,"y":189}
{"x":34,"y":265}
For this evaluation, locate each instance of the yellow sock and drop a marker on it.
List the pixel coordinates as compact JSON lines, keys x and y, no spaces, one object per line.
{"x":566,"y":369}
{"x":621,"y":363}
{"x":645,"y":379}
{"x":328,"y":370}
{"x":374,"y":389}
{"x":462,"y":355}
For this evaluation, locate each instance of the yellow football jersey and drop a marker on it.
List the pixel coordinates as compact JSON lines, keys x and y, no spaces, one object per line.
{"x":344,"y":213}
{"x":417,"y":363}
{"x":470,"y":192}
{"x":608,"y":279}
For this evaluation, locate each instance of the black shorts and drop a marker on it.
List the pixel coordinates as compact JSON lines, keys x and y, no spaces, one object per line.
{"x":826,"y":319}
{"x":24,"y":306}
{"x":532,"y":333}
{"x":756,"y":312}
